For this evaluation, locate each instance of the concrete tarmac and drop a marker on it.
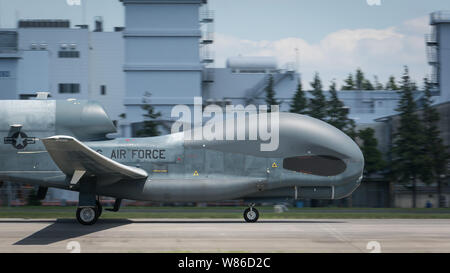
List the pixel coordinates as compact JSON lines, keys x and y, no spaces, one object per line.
{"x":225,"y":235}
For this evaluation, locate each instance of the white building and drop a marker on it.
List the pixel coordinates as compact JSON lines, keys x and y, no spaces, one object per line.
{"x":162,"y":56}
{"x":50,"y":56}
{"x":438,"y":52}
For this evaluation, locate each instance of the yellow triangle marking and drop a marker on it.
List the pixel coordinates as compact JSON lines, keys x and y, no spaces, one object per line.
{"x":274,"y":165}
{"x":195,"y":173}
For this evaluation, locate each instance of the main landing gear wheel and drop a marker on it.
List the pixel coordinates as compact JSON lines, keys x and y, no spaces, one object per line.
{"x":87,"y":215}
{"x":99,"y":208}
{"x":251,"y":215}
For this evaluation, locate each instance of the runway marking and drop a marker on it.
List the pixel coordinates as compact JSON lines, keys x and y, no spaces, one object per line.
{"x":338,"y":235}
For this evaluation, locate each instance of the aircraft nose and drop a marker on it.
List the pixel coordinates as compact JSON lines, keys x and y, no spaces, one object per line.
{"x":315,"y":137}
{"x":339,"y":145}
{"x":352,"y":177}
{"x":353,"y":157}
{"x":346,"y":149}
{"x":356,"y":162}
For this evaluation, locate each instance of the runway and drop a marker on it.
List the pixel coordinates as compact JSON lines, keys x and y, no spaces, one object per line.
{"x":225,"y":235}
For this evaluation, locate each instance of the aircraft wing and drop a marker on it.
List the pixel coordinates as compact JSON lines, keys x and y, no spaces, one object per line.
{"x":76,"y":159}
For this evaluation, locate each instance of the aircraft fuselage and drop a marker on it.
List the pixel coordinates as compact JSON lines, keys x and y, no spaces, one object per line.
{"x":314,"y":160}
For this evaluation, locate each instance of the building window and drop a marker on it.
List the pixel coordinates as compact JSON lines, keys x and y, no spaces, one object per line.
{"x":5,"y":74}
{"x":29,"y":96}
{"x":69,"y":54}
{"x":69,"y":88}
{"x":103,"y":90}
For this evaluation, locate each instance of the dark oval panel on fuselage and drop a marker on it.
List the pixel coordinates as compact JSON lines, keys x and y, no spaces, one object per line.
{"x":320,"y":165}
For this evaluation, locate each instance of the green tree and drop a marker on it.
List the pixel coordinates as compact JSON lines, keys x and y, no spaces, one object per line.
{"x":349,"y":83}
{"x":150,"y":126}
{"x":436,"y":155}
{"x":372,"y":156}
{"x":299,"y":103}
{"x":337,"y":113}
{"x":350,"y":130}
{"x":408,"y":158}
{"x":378,"y":84}
{"x":357,"y":82}
{"x":367,"y":85}
{"x":359,"y":79}
{"x":318,"y":103}
{"x":391,"y":84}
{"x":270,"y":94}
{"x":414,"y":86}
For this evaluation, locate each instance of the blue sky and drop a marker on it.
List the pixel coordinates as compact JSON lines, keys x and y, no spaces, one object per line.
{"x":334,"y":37}
{"x":313,"y":19}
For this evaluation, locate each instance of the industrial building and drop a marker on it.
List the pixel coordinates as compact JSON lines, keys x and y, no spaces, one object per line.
{"x":50,"y":56}
{"x":164,"y":50}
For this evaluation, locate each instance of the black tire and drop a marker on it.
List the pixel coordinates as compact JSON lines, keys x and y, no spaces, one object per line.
{"x":87,"y":215}
{"x":99,"y":208}
{"x":251,"y":215}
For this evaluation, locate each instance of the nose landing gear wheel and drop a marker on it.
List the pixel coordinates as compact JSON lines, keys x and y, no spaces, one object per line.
{"x":251,"y":215}
{"x":87,"y":216}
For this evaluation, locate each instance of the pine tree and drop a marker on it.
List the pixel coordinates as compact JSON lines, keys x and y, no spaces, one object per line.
{"x":408,"y":158}
{"x":349,"y":83}
{"x":391,"y":84}
{"x":378,"y":84}
{"x":299,"y":103}
{"x":270,"y":94}
{"x":436,"y":155}
{"x":359,"y":79}
{"x":317,"y":104}
{"x":150,"y":127}
{"x":367,"y":85}
{"x":359,"y":82}
{"x":351,"y":129}
{"x":372,"y":156}
{"x":337,"y":114}
{"x":414,"y":86}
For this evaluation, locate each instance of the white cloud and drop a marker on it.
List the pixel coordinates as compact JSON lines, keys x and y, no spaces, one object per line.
{"x":416,"y":25}
{"x":381,"y":52}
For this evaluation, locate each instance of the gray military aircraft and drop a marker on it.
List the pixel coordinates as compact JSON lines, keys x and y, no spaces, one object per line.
{"x":64,"y":144}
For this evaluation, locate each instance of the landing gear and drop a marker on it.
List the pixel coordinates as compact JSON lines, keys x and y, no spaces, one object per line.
{"x":87,"y":215}
{"x":116,"y":205}
{"x":99,"y":208}
{"x":89,"y":206}
{"x":251,"y":215}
